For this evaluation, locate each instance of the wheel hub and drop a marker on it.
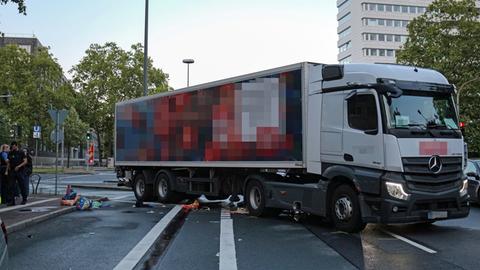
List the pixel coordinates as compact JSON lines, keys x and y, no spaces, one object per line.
{"x":162,"y":188}
{"x":343,"y":208}
{"x":140,"y":187}
{"x":255,"y":198}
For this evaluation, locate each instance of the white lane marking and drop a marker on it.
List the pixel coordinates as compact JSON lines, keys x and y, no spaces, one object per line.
{"x":228,"y":257}
{"x":408,"y":241}
{"x":140,"y":250}
{"x":10,"y":208}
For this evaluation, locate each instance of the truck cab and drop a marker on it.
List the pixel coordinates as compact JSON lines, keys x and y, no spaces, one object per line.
{"x":391,"y":134}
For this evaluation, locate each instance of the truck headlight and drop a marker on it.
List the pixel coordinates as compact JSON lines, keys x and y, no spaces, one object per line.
{"x":396,"y":190}
{"x":464,"y":189}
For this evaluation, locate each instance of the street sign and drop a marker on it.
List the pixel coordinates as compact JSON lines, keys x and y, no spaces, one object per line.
{"x":37,"y":132}
{"x":59,"y":138}
{"x":62,"y":115}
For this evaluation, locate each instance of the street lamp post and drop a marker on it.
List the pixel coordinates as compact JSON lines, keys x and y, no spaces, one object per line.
{"x":188,"y":62}
{"x":145,"y":52}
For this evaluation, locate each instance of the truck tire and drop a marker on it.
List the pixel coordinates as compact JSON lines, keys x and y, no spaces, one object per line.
{"x":140,"y":188}
{"x":345,"y":210}
{"x":164,"y":188}
{"x":255,"y":198}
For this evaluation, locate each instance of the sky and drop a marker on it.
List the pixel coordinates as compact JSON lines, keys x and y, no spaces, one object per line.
{"x":225,"y":37}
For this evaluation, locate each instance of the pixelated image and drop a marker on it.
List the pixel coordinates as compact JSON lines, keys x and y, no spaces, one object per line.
{"x":254,"y":120}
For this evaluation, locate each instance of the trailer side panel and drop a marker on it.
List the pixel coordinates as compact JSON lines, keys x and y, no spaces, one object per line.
{"x":253,"y":120}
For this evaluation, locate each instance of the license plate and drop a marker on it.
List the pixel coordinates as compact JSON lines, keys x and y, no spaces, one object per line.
{"x":437,"y":214}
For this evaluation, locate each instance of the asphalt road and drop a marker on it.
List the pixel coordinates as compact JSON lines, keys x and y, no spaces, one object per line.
{"x":280,"y":243}
{"x":209,"y":238}
{"x":96,"y":239}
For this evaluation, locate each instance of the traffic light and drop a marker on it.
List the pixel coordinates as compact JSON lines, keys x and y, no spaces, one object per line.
{"x":89,"y":136}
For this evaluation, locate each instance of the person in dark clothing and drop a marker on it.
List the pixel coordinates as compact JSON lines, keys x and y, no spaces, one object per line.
{"x":18,"y":161}
{"x":4,"y":176}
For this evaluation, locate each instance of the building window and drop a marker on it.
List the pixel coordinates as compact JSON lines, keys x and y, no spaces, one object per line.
{"x":384,"y":22}
{"x":344,"y":19}
{"x":384,"y":37}
{"x":379,"y":52}
{"x":344,"y":47}
{"x":344,"y":5}
{"x":346,"y":60}
{"x":393,"y":8}
{"x":345,"y":32}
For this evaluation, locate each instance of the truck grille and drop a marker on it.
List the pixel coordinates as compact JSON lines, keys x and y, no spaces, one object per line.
{"x":419,"y":177}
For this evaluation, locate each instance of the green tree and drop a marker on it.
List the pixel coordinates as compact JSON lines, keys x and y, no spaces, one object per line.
{"x":20,"y":5}
{"x":106,"y":75}
{"x":446,"y":38}
{"x":36,"y":83}
{"x":75,"y":130}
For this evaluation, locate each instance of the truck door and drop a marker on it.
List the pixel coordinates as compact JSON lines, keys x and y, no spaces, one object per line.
{"x":362,"y":130}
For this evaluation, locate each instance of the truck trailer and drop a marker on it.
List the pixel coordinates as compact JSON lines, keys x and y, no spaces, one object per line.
{"x":355,"y":143}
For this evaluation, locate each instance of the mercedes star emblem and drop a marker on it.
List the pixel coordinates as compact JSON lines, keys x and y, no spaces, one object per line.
{"x":435,"y":164}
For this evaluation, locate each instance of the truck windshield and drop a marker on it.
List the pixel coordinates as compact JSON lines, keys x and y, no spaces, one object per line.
{"x":424,"y":110}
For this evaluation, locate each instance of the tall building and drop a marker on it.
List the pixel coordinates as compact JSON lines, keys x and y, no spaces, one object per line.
{"x":371,"y":31}
{"x":30,"y":44}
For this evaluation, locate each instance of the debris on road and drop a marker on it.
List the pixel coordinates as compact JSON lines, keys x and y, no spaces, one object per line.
{"x":193,"y":206}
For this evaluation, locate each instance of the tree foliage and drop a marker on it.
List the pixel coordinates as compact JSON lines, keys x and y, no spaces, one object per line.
{"x":106,"y":75}
{"x":20,"y":5}
{"x":36,"y":83}
{"x":446,"y":38}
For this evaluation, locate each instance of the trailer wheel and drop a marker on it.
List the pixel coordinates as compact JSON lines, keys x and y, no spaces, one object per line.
{"x":345,"y":210}
{"x":164,"y":189}
{"x":255,"y":198}
{"x":140,"y":188}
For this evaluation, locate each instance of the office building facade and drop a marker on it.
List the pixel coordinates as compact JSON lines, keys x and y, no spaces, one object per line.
{"x":372,"y":31}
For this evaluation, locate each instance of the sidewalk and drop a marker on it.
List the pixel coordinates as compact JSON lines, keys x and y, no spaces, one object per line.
{"x":39,"y":208}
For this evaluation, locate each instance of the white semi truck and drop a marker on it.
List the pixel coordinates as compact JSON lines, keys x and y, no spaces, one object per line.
{"x":356,"y":143}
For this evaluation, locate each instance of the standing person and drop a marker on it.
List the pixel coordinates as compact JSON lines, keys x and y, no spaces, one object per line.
{"x":18,"y":161}
{"x":4,"y":176}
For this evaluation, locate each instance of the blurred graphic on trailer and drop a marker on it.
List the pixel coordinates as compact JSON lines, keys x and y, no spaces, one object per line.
{"x":259,"y":119}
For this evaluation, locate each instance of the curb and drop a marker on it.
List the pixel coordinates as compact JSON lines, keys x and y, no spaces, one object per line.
{"x":138,"y":255}
{"x":100,"y":187}
{"x":26,"y":223}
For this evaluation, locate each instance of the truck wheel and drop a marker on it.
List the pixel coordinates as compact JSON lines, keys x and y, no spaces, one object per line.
{"x":140,"y":188}
{"x":255,"y":198}
{"x":164,"y":189}
{"x":345,"y":210}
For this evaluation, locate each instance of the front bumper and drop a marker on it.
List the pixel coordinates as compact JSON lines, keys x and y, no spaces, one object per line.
{"x":419,"y":207}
